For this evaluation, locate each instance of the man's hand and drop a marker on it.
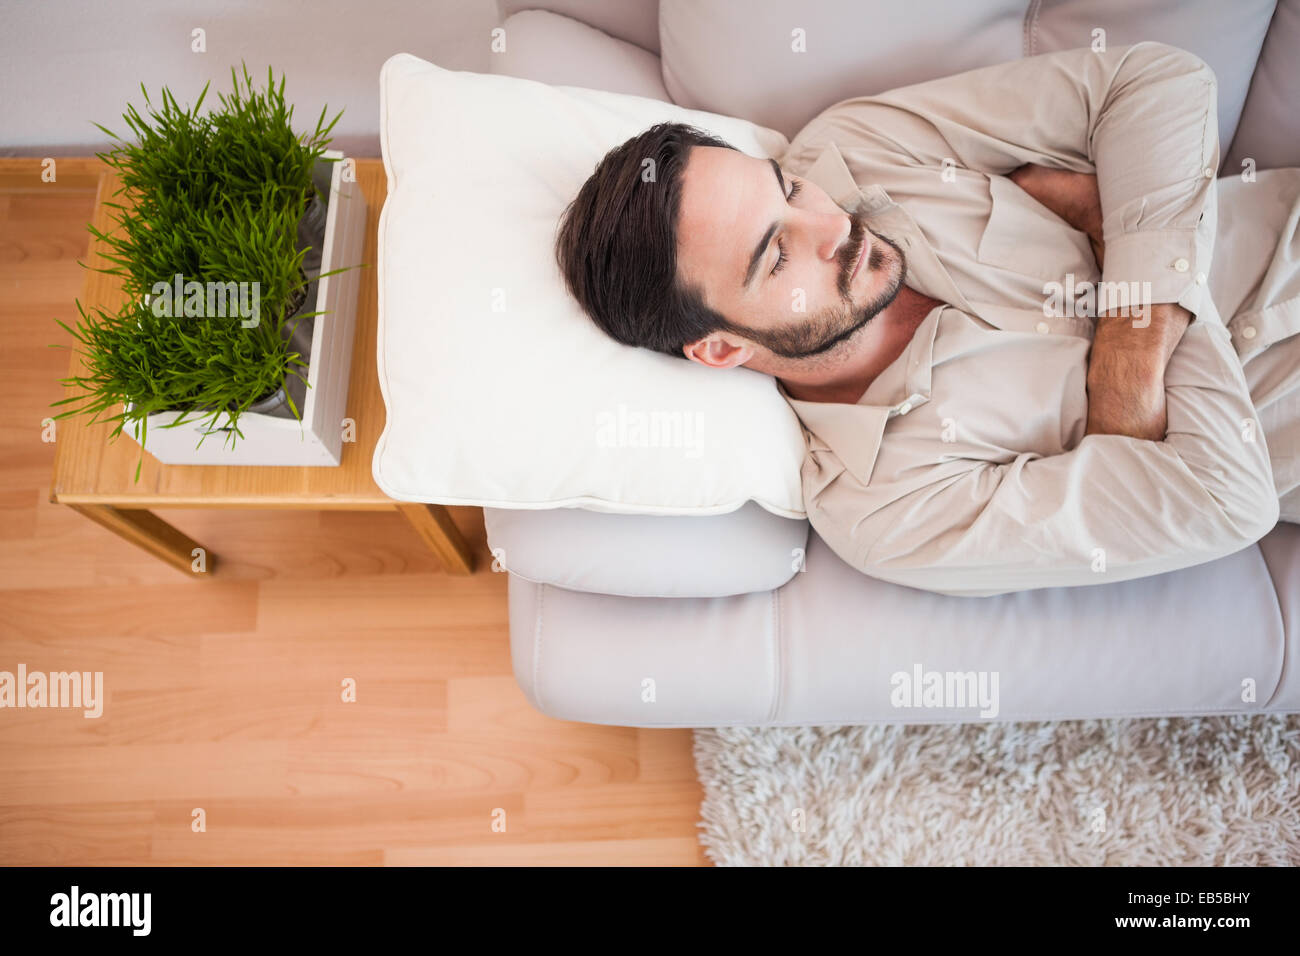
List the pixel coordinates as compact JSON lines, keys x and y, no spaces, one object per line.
{"x":1126,"y":366}
{"x":1072,"y":196}
{"x":1126,"y":370}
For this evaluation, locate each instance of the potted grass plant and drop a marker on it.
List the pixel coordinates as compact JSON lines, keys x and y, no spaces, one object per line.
{"x":218,"y":242}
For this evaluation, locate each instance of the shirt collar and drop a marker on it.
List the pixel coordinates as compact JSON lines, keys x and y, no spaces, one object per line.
{"x":832,"y":174}
{"x":854,"y":432}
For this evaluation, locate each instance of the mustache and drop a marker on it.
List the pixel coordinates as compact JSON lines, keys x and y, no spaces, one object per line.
{"x":863,"y":315}
{"x":819,"y":334}
{"x":852,"y":249}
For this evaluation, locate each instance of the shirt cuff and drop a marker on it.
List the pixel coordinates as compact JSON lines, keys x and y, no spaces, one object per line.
{"x":1154,"y":266}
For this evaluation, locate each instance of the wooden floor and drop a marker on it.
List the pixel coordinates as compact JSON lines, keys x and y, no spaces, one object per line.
{"x":225,"y":694}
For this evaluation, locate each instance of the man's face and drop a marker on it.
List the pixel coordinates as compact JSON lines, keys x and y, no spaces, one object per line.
{"x":780,"y":260}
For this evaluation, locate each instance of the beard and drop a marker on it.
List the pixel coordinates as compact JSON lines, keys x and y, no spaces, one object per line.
{"x":820,"y":333}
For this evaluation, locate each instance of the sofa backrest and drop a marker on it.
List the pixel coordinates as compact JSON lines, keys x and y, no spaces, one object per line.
{"x":780,"y":63}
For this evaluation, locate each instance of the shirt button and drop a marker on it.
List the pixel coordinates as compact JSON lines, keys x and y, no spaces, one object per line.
{"x":1209,"y":172}
{"x":1200,"y":278}
{"x":1042,"y":326}
{"x":1181,"y":265}
{"x":1248,"y":332}
{"x":904,"y":408}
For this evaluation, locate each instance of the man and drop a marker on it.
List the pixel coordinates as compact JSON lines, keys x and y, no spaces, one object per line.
{"x":921,"y":273}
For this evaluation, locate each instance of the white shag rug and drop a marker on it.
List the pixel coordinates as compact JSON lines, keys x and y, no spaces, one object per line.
{"x":1172,"y":791}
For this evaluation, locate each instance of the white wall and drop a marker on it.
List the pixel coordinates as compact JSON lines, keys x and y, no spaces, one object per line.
{"x":66,"y":63}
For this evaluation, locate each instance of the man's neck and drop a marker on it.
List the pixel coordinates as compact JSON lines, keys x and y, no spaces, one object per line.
{"x":899,"y":322}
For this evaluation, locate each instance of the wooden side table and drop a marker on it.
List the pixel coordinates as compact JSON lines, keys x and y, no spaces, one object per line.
{"x":95,"y":476}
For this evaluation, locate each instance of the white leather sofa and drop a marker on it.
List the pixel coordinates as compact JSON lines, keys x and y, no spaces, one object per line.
{"x":748,"y":618}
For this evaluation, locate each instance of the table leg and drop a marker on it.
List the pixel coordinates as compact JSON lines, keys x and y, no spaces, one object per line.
{"x":145,"y":529}
{"x":433,"y":523}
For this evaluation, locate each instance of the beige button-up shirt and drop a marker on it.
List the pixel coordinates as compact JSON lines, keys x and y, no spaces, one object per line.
{"x":964,"y":468}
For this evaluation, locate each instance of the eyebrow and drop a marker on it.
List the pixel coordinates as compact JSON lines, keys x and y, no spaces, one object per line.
{"x":763,"y":243}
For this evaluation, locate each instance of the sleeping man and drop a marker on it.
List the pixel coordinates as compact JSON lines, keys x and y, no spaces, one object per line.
{"x":1032,"y":340}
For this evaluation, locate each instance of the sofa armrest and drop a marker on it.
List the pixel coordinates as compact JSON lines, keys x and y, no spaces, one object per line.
{"x":744,"y":551}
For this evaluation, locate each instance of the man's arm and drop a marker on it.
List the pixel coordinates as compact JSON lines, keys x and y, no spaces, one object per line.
{"x":1115,"y":507}
{"x":1126,"y":370}
{"x":1131,"y":345}
{"x":1112,"y":508}
{"x":1074,"y":197}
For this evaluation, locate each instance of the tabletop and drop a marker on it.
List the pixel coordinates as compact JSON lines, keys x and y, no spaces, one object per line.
{"x":91,"y":469}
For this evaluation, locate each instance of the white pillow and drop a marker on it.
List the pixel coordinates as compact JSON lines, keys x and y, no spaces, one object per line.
{"x":500,"y":391}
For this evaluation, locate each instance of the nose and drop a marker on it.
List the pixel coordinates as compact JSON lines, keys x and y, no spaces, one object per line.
{"x":830,"y":231}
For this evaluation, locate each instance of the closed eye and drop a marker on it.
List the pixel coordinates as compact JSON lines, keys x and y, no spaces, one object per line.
{"x":795,"y":186}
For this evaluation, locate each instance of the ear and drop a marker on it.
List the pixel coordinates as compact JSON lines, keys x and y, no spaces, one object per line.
{"x":717,"y":352}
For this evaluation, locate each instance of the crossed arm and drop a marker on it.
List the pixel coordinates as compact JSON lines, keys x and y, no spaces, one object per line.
{"x":1126,"y":365}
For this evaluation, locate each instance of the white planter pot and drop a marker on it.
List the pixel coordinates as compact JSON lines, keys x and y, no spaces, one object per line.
{"x":270,"y":439}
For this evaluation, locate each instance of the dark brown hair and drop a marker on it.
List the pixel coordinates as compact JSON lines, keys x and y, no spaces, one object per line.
{"x":617,"y":243}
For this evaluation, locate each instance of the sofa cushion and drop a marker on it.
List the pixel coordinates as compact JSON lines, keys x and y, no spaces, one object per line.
{"x":824,"y":649}
{"x":500,"y":391}
{"x":1269,"y":132}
